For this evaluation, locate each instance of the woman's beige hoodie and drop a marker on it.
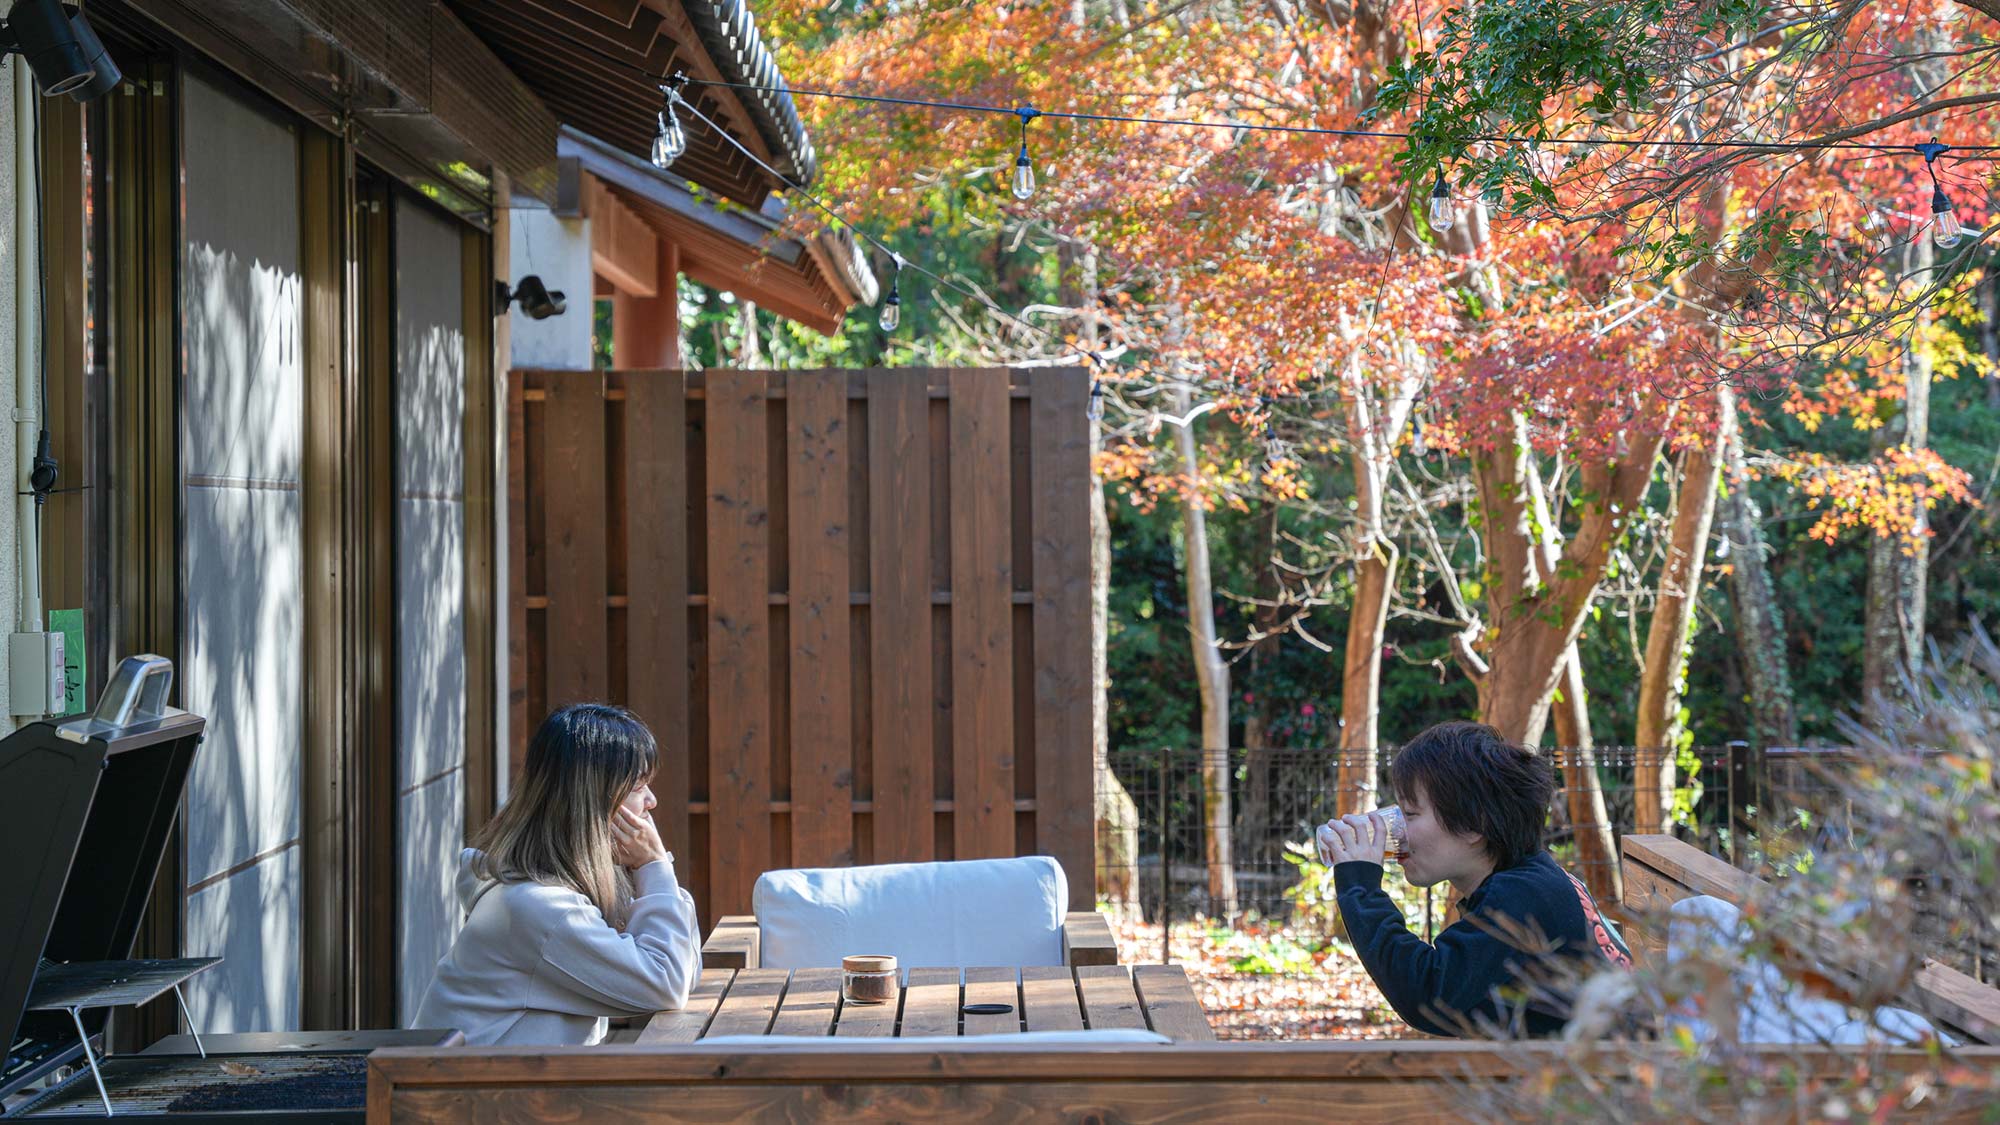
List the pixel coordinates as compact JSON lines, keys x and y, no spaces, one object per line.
{"x":538,"y":964}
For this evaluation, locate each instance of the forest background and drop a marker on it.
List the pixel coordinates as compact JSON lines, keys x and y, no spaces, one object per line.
{"x":1627,"y":440}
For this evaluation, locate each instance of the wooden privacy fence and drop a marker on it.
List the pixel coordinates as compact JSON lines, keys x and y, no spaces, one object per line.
{"x":852,"y":605}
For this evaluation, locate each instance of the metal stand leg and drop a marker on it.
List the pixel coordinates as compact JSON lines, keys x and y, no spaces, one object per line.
{"x":192,"y":1033}
{"x":90,"y":1057}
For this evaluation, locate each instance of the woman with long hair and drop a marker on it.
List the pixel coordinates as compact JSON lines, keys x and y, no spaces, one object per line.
{"x":572,"y":910}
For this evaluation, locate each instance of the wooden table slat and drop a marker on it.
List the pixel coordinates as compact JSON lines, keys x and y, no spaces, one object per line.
{"x":750,"y":1004}
{"x":1170,"y":1004}
{"x":687,"y":1024}
{"x":868,"y":1021}
{"x":812,"y":1001}
{"x":930,"y":1003}
{"x":1049,"y":999}
{"x":1109,"y":998}
{"x":993,"y":986}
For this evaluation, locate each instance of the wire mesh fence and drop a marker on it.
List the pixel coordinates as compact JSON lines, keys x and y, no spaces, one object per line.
{"x":1725,"y":803}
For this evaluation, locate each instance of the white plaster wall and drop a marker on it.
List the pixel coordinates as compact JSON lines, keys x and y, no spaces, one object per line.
{"x":558,"y":251}
{"x":242,"y":432}
{"x":430,"y":591}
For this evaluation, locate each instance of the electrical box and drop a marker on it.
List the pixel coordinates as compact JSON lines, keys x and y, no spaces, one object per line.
{"x":37,"y":680}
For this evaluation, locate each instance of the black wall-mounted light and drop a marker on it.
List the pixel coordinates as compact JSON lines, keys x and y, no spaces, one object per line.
{"x":537,"y":300}
{"x":62,"y":49}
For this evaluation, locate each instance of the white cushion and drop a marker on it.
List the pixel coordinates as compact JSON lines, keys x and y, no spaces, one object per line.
{"x":1031,"y":1038}
{"x":1770,"y":1008}
{"x":973,"y":912}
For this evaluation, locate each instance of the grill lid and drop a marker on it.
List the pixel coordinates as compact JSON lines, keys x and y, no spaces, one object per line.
{"x":95,"y":796}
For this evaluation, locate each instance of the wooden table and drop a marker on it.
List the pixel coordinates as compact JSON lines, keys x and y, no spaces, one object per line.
{"x":1045,"y":998}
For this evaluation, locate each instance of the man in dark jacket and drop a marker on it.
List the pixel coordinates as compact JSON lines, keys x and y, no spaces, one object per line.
{"x":1474,"y":807}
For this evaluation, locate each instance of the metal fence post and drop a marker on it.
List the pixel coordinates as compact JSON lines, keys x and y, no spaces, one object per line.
{"x":1742,"y":801}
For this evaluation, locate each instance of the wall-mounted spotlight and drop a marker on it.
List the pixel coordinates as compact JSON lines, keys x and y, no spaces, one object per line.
{"x":537,"y":300}
{"x":61,"y":48}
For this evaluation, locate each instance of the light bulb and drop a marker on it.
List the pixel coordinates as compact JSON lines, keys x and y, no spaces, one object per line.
{"x":892,"y":311}
{"x":1024,"y":175}
{"x":1096,"y":410}
{"x":1418,"y":444}
{"x":1440,"y":209}
{"x":670,"y":141}
{"x":1946,"y":230}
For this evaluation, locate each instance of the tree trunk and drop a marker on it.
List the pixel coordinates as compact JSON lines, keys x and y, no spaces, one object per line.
{"x":1536,"y":607}
{"x":1263,"y":842}
{"x":1760,"y":624}
{"x":1211,"y":675}
{"x":750,"y":350}
{"x":1373,"y":428}
{"x":1583,"y":790}
{"x":1894,"y":622}
{"x":1672,"y":627}
{"x":1361,"y":682}
{"x":1116,"y":814}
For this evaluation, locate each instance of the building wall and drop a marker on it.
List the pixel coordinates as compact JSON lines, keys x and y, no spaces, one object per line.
{"x":12,"y":180}
{"x":242,"y":559}
{"x":430,"y":591}
{"x":558,"y":251}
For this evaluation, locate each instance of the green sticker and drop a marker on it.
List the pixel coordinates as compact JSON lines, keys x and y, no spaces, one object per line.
{"x":69,"y":622}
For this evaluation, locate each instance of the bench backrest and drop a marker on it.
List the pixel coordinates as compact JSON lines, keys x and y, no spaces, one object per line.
{"x":971,"y":912}
{"x":1659,"y":871}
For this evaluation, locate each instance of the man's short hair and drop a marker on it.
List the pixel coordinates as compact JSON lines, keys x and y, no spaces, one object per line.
{"x":1476,"y":781}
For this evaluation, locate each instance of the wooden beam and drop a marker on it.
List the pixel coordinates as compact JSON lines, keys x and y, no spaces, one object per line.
{"x":623,"y":249}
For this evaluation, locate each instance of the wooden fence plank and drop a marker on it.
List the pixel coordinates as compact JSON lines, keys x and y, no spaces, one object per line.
{"x":573,"y":477}
{"x":1049,"y":999}
{"x":1065,"y":820}
{"x":993,"y":986}
{"x":811,"y":1001}
{"x":930,"y":1003}
{"x":982,"y":627}
{"x":822,"y":725}
{"x":1109,"y":998}
{"x":656,"y":616}
{"x":899,"y":507}
{"x":750,"y":1004}
{"x":517,"y":573}
{"x":739,"y":680}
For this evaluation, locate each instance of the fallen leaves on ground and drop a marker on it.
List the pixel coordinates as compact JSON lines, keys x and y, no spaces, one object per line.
{"x":1333,"y":999}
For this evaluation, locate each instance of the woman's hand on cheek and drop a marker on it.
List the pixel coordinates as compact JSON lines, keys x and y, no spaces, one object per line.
{"x":635,"y":839}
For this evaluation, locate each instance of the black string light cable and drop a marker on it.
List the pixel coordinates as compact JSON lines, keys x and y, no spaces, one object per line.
{"x":1991,"y":151}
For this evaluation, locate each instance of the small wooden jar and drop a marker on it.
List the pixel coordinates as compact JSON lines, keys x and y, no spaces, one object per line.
{"x":868,"y":979}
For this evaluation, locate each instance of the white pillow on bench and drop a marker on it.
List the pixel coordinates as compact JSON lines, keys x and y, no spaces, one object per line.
{"x":1770,"y":1008}
{"x":967,"y":913}
{"x":1127,"y":1035}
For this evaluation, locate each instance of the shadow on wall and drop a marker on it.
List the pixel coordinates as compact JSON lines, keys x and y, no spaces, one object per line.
{"x":430,"y":592}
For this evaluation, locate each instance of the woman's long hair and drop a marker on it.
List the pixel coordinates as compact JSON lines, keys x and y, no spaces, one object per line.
{"x":556,"y":828}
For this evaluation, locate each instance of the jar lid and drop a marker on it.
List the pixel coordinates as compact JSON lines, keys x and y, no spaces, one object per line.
{"x":869,"y":963}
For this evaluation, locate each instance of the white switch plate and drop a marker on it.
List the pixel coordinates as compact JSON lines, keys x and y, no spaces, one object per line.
{"x":36,"y":674}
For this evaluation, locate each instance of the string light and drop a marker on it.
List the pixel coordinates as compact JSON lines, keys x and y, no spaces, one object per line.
{"x":1419,"y":445}
{"x":1440,"y":209}
{"x":892,"y":305}
{"x":1024,"y":168}
{"x":1945,"y":230}
{"x":1096,"y":408}
{"x":669,"y":140}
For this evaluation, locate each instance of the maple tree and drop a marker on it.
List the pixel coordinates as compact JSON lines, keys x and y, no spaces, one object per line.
{"x":1587,"y":331}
